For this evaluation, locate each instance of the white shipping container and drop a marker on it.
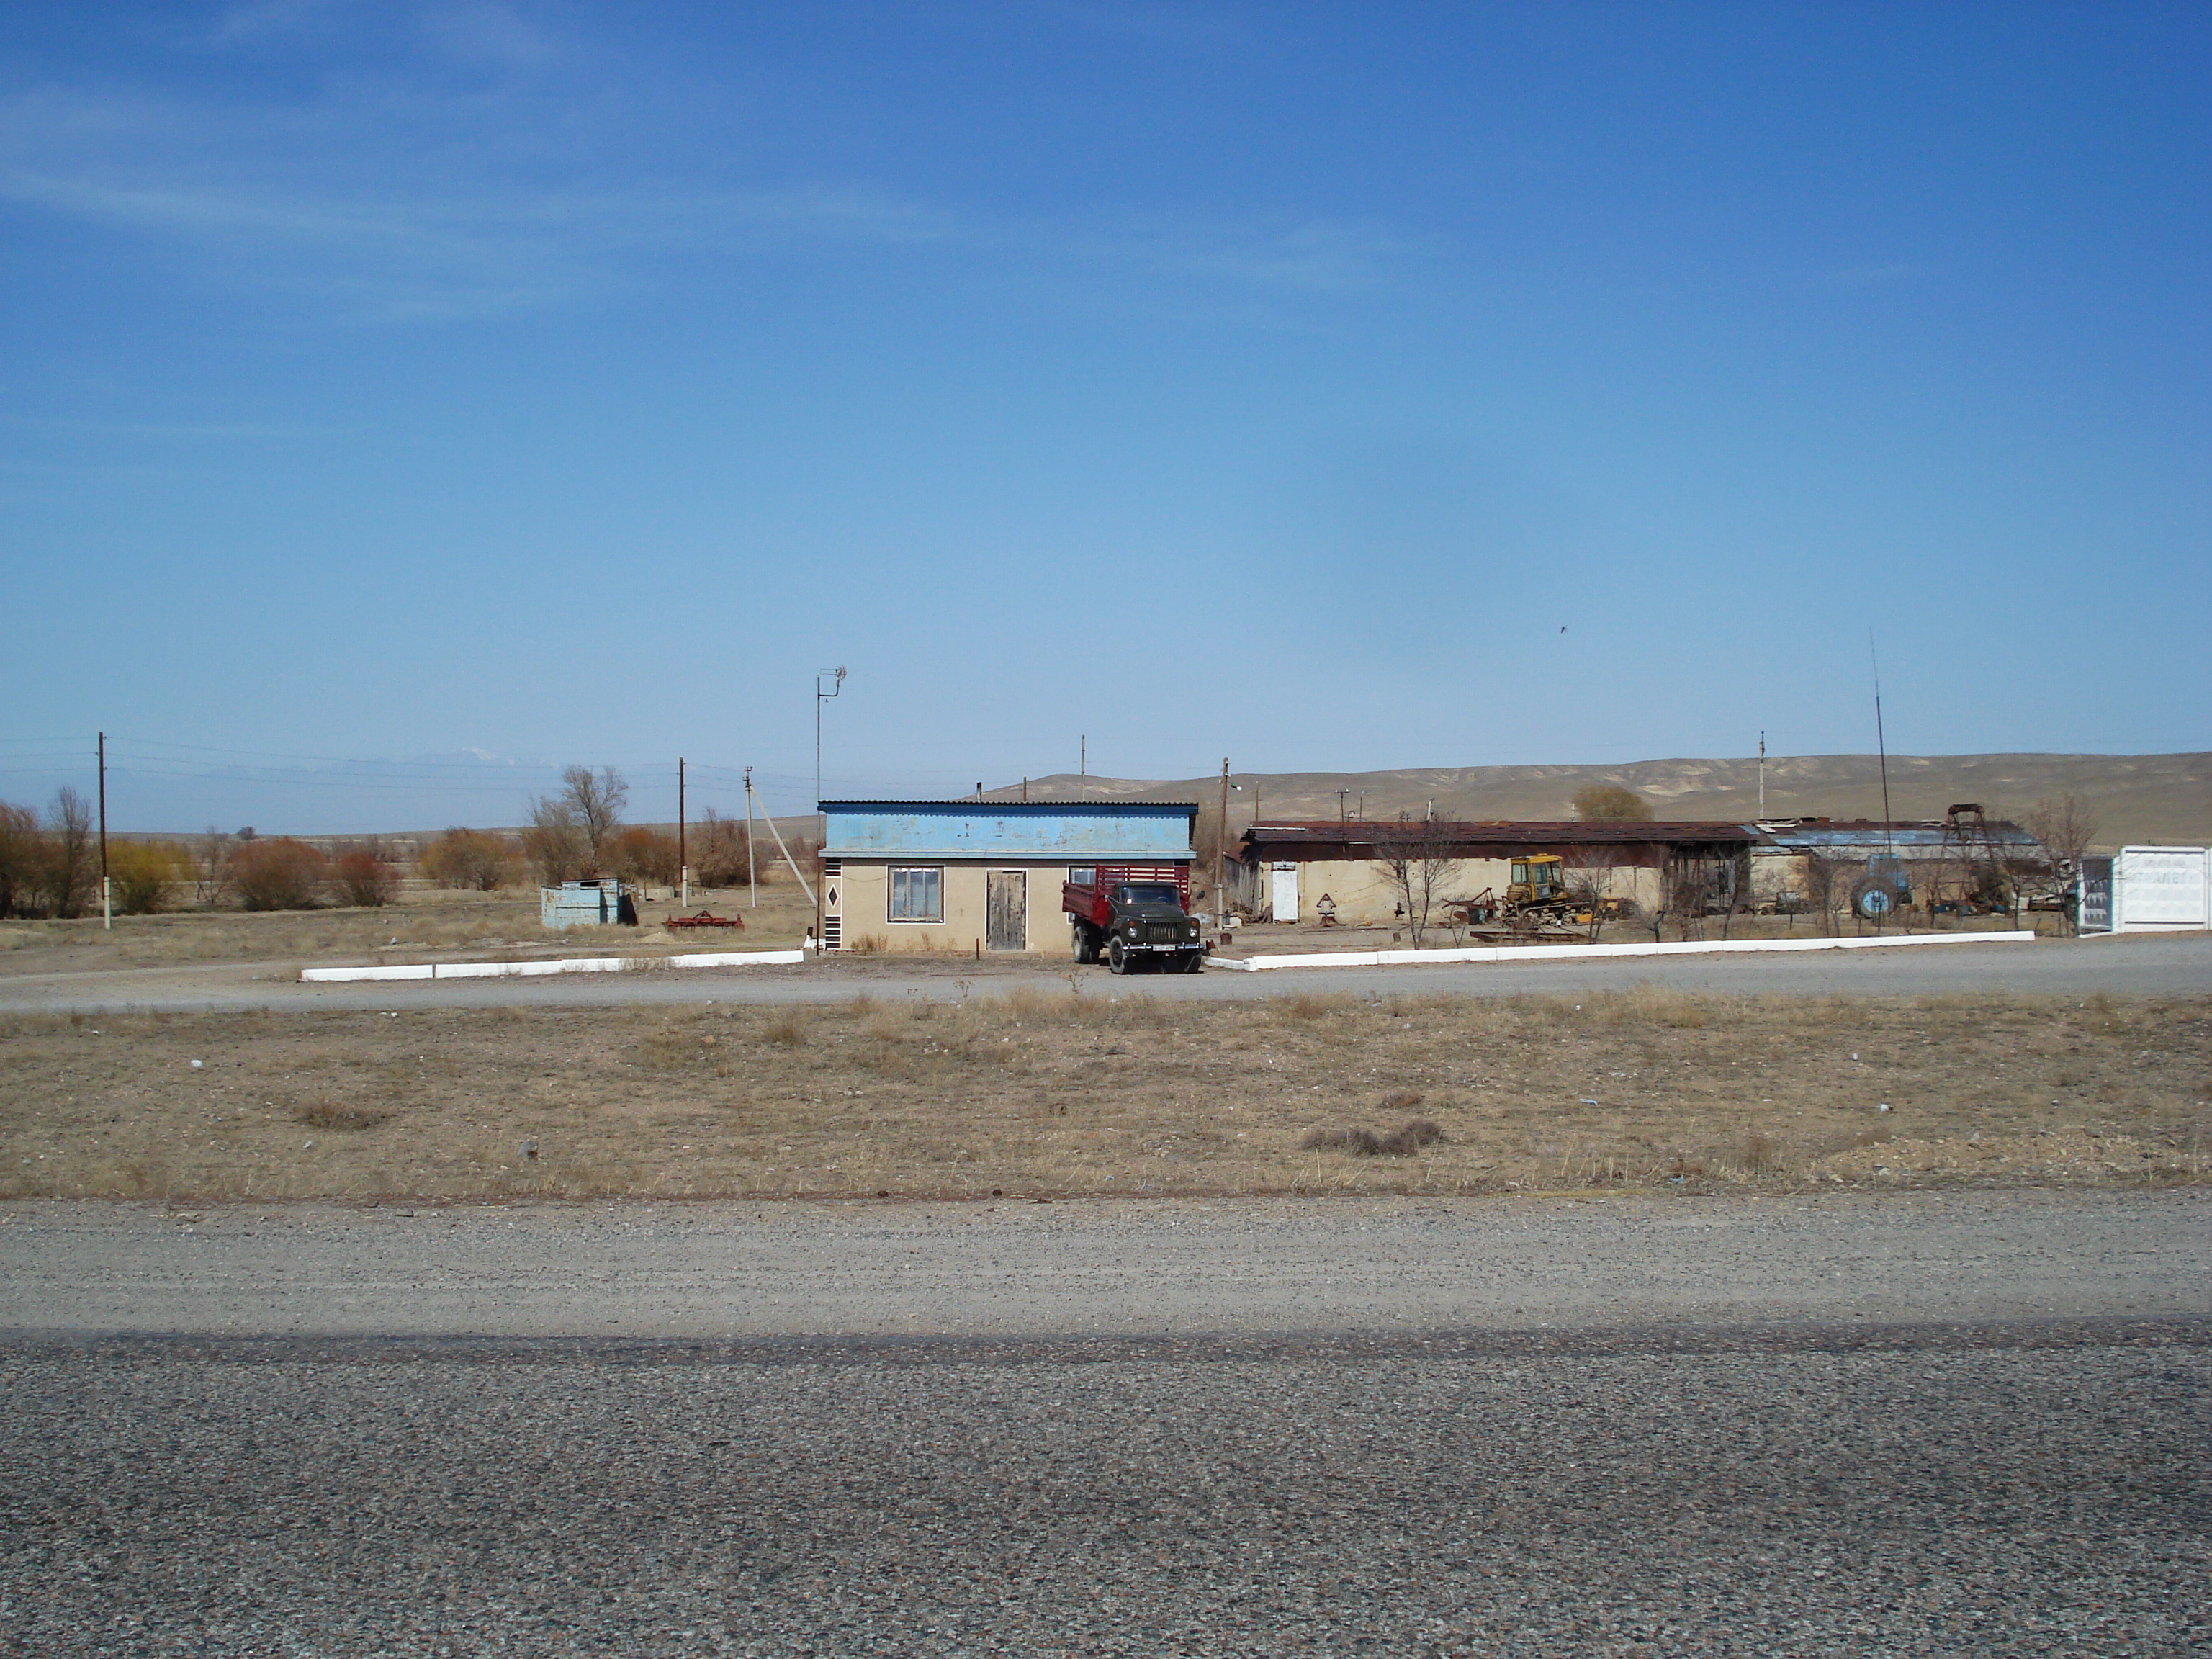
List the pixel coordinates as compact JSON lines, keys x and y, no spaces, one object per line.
{"x":2161,"y":887}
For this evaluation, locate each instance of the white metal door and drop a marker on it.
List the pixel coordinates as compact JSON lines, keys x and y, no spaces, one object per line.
{"x":1283,"y":891}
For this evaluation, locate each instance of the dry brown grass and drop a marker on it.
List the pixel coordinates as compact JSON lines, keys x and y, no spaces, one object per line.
{"x":427,"y":923}
{"x":1046,"y":1092}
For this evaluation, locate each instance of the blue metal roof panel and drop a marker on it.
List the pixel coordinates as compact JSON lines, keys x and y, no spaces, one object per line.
{"x":1079,"y":831}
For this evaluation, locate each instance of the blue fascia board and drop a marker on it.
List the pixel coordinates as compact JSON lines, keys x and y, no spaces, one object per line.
{"x":1081,"y":832}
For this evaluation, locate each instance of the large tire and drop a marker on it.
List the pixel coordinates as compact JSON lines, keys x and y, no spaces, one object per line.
{"x":1086,"y":945}
{"x":1193,"y":962}
{"x":1117,"y":959}
{"x":1873,"y":900}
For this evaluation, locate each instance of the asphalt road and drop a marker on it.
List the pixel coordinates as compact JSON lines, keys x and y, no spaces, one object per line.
{"x":2130,"y":965}
{"x":1687,"y":1427}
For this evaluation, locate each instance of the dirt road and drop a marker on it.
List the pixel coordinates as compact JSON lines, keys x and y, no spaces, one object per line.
{"x":2127,"y":966}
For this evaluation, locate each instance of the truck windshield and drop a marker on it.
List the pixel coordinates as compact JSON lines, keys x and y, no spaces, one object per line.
{"x":1149,"y":892}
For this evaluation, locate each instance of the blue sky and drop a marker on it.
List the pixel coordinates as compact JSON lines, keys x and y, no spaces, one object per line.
{"x":479,"y":387}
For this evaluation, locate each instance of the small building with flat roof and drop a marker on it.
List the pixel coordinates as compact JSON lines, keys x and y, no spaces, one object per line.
{"x":970,"y":876}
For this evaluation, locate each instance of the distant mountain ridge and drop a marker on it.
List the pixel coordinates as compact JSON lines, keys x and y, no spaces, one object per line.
{"x":2133,"y":797}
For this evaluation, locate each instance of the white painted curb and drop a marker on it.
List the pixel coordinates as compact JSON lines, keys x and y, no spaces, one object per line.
{"x":558,"y":965}
{"x":1582,"y":952}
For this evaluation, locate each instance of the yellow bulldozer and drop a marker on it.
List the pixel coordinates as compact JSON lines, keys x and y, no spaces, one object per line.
{"x":1535,"y":896}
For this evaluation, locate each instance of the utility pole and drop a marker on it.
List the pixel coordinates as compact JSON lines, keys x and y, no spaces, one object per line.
{"x":1881,"y":748}
{"x":1341,"y":794}
{"x":1762,"y":776}
{"x":1221,"y":856}
{"x":752,"y":877}
{"x":821,"y":818}
{"x":107,"y":893}
{"x":1083,"y":765}
{"x":682,"y":862}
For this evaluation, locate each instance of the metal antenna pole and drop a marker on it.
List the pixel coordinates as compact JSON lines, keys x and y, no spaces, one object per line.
{"x":682,"y":862}
{"x":107,"y":893}
{"x":821,"y":818}
{"x":1762,"y":775}
{"x":1881,"y":752}
{"x":1221,"y":856}
{"x":1082,"y":766}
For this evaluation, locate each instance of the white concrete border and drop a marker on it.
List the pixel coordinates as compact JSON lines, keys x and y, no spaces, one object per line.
{"x":1583,"y":952}
{"x":557,"y":965}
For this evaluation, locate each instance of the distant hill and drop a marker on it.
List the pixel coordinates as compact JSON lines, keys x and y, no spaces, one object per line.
{"x":2133,"y":797}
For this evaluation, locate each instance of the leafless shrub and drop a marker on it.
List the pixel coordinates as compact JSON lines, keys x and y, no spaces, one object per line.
{"x":1360,"y":1143}
{"x":1611,"y":801}
{"x":277,"y":873}
{"x":145,"y":872}
{"x":1401,"y":1142}
{"x":363,"y":879}
{"x":641,"y":855}
{"x":1761,"y":1154}
{"x":1401,"y":1100}
{"x":18,"y":855}
{"x":787,"y":1028}
{"x":721,"y":851}
{"x":329,"y":1114}
{"x":468,"y":859}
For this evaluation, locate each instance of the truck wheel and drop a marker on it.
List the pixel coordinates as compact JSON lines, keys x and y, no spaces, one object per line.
{"x":1193,"y":962}
{"x":1086,"y":945}
{"x":1117,"y":959}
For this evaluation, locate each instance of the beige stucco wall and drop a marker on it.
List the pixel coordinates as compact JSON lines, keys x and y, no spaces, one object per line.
{"x":1364,"y":895}
{"x":864,"y":907}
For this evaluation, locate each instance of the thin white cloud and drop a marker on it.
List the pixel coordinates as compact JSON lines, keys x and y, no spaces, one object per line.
{"x":281,"y":201}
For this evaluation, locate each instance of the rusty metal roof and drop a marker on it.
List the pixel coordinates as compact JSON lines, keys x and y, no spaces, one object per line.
{"x":1604,"y":832}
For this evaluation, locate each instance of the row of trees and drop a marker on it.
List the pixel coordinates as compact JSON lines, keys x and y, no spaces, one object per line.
{"x":49,"y":866}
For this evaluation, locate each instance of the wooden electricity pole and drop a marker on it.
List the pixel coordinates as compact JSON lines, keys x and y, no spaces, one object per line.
{"x":683,"y":863}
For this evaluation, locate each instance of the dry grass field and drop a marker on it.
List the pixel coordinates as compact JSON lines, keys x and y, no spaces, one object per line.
{"x":1048,"y":1092}
{"x":429,"y":923}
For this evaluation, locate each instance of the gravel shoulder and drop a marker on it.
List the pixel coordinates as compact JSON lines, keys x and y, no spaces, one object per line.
{"x":1100,"y":1267}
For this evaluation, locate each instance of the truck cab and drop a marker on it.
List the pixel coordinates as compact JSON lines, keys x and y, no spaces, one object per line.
{"x":1134,"y":916}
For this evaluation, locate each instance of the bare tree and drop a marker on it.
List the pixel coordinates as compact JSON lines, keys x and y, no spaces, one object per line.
{"x":555,"y":840}
{"x":1418,"y":857}
{"x":70,"y":860}
{"x":569,"y":832}
{"x":211,"y":868}
{"x":1823,"y":881}
{"x":599,"y":799}
{"x":2065,"y":829}
{"x":1586,"y":888}
{"x":22,"y":853}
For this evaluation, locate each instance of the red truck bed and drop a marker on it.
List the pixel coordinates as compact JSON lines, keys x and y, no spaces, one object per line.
{"x":1088,"y":899}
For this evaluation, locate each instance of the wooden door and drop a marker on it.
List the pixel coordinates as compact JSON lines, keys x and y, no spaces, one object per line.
{"x":1006,"y":918}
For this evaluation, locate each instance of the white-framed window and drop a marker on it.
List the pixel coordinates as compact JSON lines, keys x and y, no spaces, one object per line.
{"x":916,"y":893}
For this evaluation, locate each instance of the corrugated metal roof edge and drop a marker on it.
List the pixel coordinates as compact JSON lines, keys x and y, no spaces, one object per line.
{"x":1098,"y":806}
{"x":1004,"y":856}
{"x":1362,"y":830}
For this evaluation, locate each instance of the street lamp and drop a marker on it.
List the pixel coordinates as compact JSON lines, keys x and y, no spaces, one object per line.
{"x":821,"y":818}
